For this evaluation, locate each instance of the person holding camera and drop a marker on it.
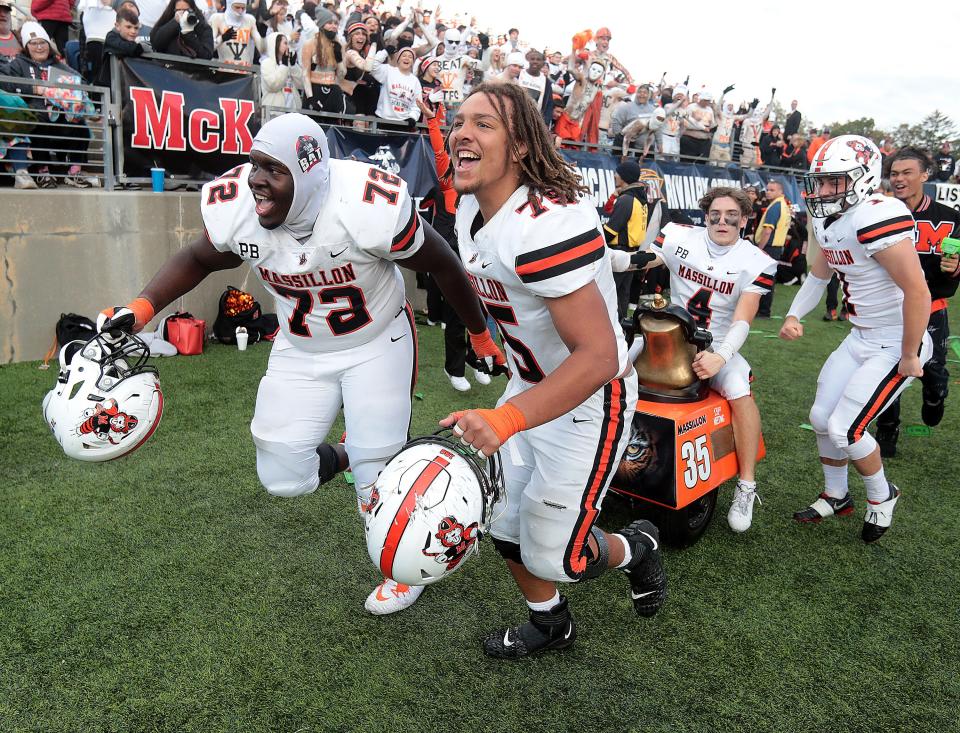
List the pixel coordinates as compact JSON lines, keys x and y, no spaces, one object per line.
{"x":181,"y":30}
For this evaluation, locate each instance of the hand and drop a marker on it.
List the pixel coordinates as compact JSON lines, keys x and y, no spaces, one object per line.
{"x":706,"y":364}
{"x":792,"y":329}
{"x":428,"y":114}
{"x":754,"y":102}
{"x":910,"y":366}
{"x":487,"y":356}
{"x":295,"y":37}
{"x":773,"y":92}
{"x":228,"y":35}
{"x":729,"y":88}
{"x":473,"y":431}
{"x":949,"y":264}
{"x":129,"y":318}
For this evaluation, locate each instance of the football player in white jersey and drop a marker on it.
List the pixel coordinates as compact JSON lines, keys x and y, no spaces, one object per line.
{"x":325,"y":238}
{"x":719,"y":278}
{"x":535,"y":253}
{"x":867,"y":238}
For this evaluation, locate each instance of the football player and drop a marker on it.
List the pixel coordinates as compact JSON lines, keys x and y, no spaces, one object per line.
{"x":908,"y":169}
{"x":325,"y":238}
{"x":720,"y":278}
{"x":867,"y":239}
{"x":535,"y":253}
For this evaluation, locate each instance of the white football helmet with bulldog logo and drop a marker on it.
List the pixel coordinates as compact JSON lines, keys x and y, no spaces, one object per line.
{"x":429,"y":508}
{"x":107,"y":400}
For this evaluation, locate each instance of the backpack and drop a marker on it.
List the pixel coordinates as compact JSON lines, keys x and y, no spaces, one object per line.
{"x":238,"y":308}
{"x":70,"y":327}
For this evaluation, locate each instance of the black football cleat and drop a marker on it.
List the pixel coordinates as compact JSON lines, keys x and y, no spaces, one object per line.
{"x":825,"y":506}
{"x":887,"y":440}
{"x":648,"y":581}
{"x":546,"y":631}
{"x":830,"y":315}
{"x":879,"y":517}
{"x":932,"y":412}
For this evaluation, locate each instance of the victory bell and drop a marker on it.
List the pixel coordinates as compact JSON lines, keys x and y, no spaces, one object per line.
{"x":671,"y":341}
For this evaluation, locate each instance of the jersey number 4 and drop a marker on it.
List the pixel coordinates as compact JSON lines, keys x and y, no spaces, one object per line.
{"x":340,"y":320}
{"x":699,"y":307}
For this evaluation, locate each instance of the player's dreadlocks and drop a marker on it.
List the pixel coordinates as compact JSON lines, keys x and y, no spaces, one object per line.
{"x":542,"y":169}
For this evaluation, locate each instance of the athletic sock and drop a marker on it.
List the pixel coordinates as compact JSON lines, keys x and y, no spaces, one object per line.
{"x":545,"y":605}
{"x":627,"y":552}
{"x":835,"y":481}
{"x":878,"y":488}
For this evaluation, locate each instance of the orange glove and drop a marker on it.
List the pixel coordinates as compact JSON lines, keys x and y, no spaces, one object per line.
{"x":130,"y":318}
{"x":504,"y":421}
{"x":490,"y":358}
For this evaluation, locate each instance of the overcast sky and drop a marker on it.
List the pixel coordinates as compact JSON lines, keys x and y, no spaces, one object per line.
{"x":841,"y":60}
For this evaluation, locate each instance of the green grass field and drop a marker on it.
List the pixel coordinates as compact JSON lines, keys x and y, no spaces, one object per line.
{"x":168,"y":592}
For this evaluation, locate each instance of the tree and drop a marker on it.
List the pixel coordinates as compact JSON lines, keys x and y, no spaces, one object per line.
{"x":934,"y":129}
{"x":864,"y":126}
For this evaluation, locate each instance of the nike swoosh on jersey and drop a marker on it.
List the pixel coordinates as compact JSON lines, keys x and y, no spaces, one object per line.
{"x":484,"y":265}
{"x":397,"y":338}
{"x":337,"y":254}
{"x":586,"y":419}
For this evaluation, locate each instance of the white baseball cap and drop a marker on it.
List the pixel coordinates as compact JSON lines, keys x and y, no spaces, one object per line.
{"x":515,"y":58}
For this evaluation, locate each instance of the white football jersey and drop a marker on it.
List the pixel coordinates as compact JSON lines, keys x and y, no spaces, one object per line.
{"x":849,"y":243}
{"x":525,"y":254}
{"x":340,"y":288}
{"x":709,"y":285}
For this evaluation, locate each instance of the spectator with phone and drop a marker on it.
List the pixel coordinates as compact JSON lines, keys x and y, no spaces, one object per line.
{"x":281,"y":76}
{"x":181,"y":30}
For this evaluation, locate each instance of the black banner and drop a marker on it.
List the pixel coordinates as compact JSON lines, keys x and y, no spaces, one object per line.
{"x":193,"y":121}
{"x":408,"y":156}
{"x":682,"y":184}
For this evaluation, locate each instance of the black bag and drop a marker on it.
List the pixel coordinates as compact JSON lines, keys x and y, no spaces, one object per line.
{"x":74,"y":327}
{"x":238,"y":308}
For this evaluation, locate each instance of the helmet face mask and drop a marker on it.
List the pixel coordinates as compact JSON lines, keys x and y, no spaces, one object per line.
{"x":431,"y":505}
{"x":849,"y":168}
{"x":107,"y":400}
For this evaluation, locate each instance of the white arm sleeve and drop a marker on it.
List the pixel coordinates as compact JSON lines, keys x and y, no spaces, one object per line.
{"x":808,"y":297}
{"x":736,"y":337}
{"x":619,"y":260}
{"x":636,"y":348}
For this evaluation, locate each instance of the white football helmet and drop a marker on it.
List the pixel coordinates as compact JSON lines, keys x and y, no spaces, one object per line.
{"x":429,"y":508}
{"x":107,"y":400}
{"x":856,"y":160}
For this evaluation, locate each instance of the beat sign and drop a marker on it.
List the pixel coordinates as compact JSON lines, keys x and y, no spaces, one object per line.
{"x":695,"y":453}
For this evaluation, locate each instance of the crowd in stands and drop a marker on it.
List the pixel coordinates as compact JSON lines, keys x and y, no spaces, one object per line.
{"x":345,"y":58}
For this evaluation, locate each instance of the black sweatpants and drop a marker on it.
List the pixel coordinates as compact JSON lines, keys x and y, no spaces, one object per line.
{"x":935,"y":379}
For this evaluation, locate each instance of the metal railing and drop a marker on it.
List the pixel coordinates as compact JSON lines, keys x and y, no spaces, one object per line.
{"x":62,"y":127}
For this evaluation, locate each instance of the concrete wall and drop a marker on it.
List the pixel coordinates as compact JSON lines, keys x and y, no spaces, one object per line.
{"x":80,"y":251}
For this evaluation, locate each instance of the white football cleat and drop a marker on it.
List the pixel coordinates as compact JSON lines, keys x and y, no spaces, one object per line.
{"x":481,"y":377}
{"x":879,"y":517}
{"x":391,"y":596}
{"x":459,"y":383}
{"x":740,"y":516}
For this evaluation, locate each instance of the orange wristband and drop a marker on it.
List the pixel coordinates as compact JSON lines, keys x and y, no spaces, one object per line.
{"x":143,"y":310}
{"x":505,"y":421}
{"x":484,"y":345}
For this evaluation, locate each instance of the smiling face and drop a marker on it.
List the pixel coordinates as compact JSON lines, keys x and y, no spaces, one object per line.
{"x":534,"y":62}
{"x":272,"y":186}
{"x":405,"y":61}
{"x":358,"y":39}
{"x":39,"y":50}
{"x":479,"y":146}
{"x":724,"y":220}
{"x":907,"y":178}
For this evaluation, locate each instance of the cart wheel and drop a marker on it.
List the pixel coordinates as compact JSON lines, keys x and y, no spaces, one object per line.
{"x":684,"y":527}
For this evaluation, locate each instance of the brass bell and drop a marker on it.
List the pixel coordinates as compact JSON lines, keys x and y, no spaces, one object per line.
{"x":666,"y":362}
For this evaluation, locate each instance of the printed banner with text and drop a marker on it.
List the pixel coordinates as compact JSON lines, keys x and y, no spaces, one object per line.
{"x":408,"y":156}
{"x":201,"y":124}
{"x":682,"y":184}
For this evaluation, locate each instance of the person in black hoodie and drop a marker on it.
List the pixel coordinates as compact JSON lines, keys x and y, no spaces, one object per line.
{"x":181,"y":30}
{"x":120,"y":42}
